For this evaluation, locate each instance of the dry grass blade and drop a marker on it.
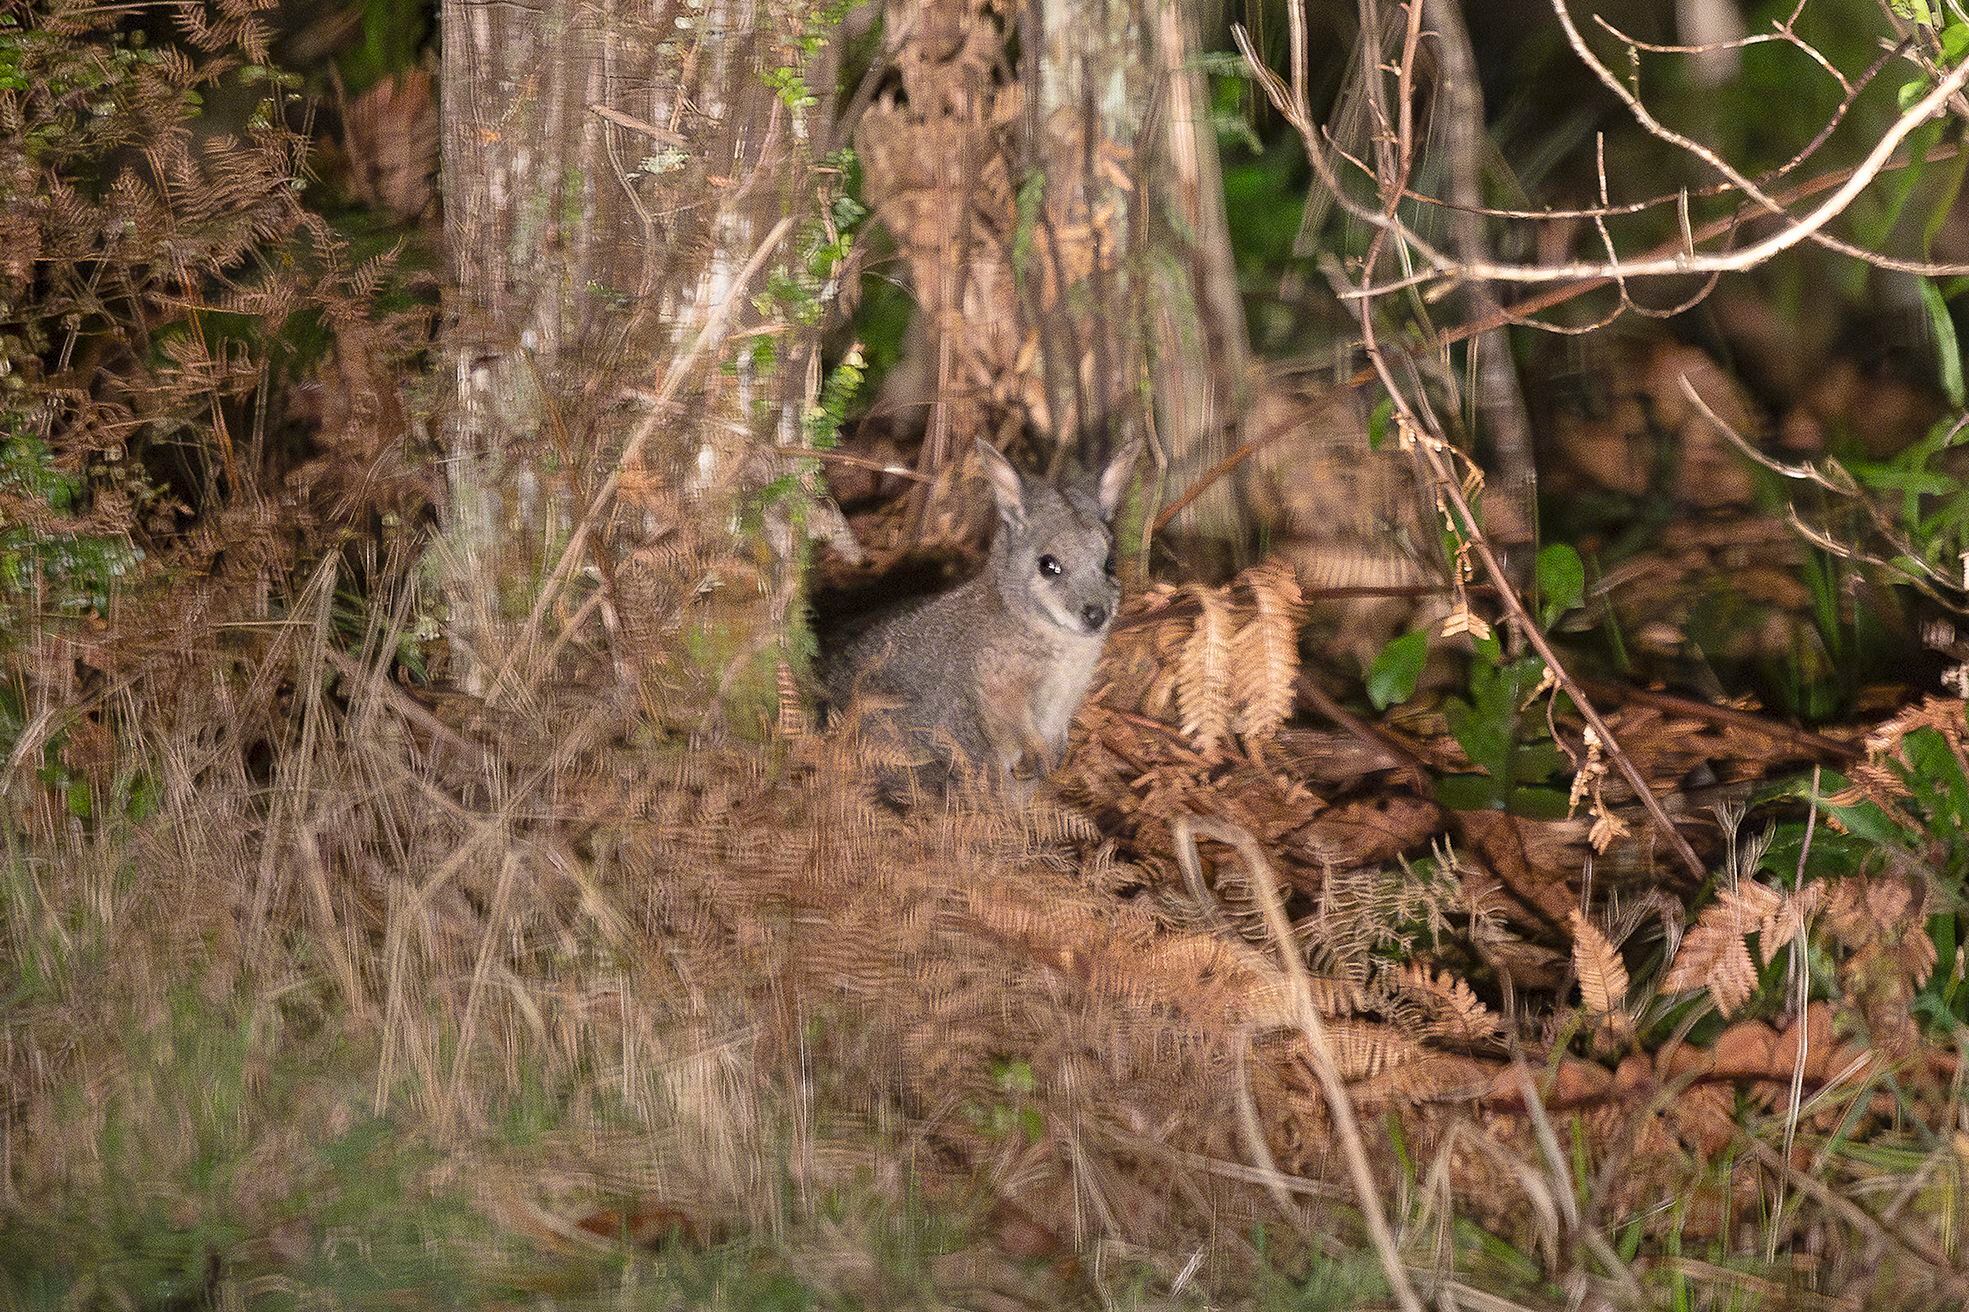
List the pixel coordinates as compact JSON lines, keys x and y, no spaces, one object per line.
{"x":1367,"y":1190}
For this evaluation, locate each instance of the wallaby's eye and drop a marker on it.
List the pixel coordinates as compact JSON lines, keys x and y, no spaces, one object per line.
{"x":1107,"y":566}
{"x":1049,"y":567}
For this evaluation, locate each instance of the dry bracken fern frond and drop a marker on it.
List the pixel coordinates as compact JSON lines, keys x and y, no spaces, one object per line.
{"x":1265,"y":655}
{"x":1203,"y":692}
{"x":1602,"y":974}
{"x":1456,"y":1012}
{"x":1714,"y":955}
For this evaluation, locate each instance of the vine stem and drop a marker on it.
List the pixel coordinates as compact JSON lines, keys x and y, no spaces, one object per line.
{"x":1521,"y":616}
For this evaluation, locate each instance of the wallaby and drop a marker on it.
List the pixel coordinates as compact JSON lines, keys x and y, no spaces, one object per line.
{"x":982,"y":680}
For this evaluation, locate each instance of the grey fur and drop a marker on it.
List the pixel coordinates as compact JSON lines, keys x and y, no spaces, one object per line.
{"x":983,"y":680}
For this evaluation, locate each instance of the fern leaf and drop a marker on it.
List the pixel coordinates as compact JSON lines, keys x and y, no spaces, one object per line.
{"x":1714,"y":955}
{"x":1265,"y":655}
{"x":1457,"y":1012}
{"x":1203,"y":674}
{"x":1602,"y":974}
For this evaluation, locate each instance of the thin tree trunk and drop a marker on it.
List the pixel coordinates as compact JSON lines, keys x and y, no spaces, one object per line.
{"x":617,"y":176}
{"x":1094,"y":77}
{"x":1059,"y":232}
{"x":1202,"y":346}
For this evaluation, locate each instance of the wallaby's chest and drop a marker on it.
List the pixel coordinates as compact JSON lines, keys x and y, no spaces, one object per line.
{"x":1057,"y":693}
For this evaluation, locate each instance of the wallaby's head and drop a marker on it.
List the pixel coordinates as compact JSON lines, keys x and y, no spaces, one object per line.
{"x":1053,"y":555}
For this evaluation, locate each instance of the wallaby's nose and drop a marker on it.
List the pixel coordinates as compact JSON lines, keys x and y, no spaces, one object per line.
{"x":1094,"y":616}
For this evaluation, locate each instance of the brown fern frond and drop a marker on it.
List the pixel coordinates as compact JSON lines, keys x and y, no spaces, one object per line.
{"x":1203,"y":692}
{"x":1265,"y":655}
{"x":1602,"y":974}
{"x":1714,"y":955}
{"x":1455,"y":1011}
{"x":1783,"y":922}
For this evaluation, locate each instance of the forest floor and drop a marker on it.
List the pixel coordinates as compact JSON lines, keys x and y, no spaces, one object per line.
{"x":327,"y":988}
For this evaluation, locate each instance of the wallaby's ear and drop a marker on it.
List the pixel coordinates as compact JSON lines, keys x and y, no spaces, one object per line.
{"x":1113,"y":484}
{"x":1007,"y":487}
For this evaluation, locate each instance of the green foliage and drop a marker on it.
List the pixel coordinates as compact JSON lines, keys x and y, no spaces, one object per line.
{"x":1933,"y":502}
{"x":837,"y":395}
{"x":1948,"y":352}
{"x":1391,"y":679}
{"x":790,"y":85}
{"x":48,"y":557}
{"x":789,"y":81}
{"x":1015,"y":1111}
{"x":800,"y":293}
{"x":1377,"y":422}
{"x":394,"y":34}
{"x":1926,"y":831}
{"x":1031,"y":200}
{"x":1512,"y":748}
{"x":185,"y":1191}
{"x":1339,"y":1283}
{"x":1561,"y":578}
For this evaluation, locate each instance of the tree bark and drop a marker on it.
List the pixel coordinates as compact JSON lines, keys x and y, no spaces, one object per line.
{"x":630,"y":203}
{"x":1201,"y":344}
{"x":1056,"y":228}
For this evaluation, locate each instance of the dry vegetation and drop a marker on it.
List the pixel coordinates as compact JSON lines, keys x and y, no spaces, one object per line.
{"x":324,"y":984}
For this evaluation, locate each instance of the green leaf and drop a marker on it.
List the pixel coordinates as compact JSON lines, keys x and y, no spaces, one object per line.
{"x":1032,"y":195}
{"x":1391,"y":680}
{"x":1483,"y":738}
{"x":1468,"y":792}
{"x":1911,"y":92}
{"x":1536,"y":762}
{"x":1867,"y":821}
{"x":1948,"y":354}
{"x":1561,"y":580}
{"x":1539,"y":803}
{"x":1955,"y":40}
{"x":1377,"y":423}
{"x":1014,"y":1076}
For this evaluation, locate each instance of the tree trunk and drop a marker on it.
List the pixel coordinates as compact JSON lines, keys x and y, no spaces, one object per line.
{"x":621,"y":180}
{"x":1056,"y":231}
{"x":1201,"y":344}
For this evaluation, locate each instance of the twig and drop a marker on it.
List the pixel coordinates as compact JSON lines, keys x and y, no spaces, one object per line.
{"x":1834,"y":478}
{"x":1514,"y":606}
{"x":849,"y":458}
{"x":1804,"y":740}
{"x":1450,"y":490}
{"x":1520,"y":312}
{"x":1656,"y":128}
{"x":1367,"y":1190}
{"x":1440,"y":265}
{"x":1392,"y":749}
{"x":642,"y":127}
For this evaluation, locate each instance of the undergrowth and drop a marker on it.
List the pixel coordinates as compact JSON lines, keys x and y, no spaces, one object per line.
{"x":319,"y":988}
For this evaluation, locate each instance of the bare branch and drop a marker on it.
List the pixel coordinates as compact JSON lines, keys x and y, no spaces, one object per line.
{"x":1439,"y":266}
